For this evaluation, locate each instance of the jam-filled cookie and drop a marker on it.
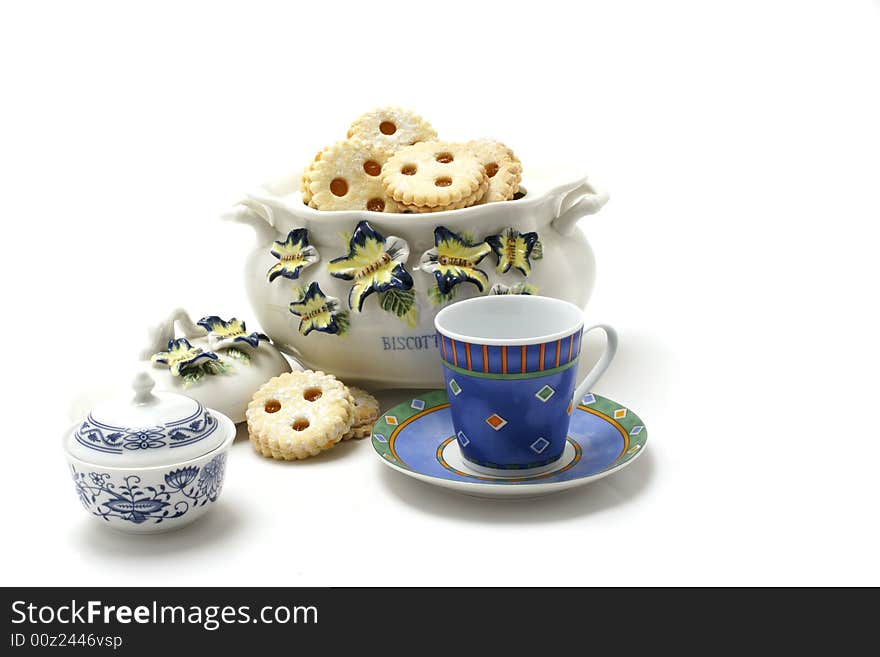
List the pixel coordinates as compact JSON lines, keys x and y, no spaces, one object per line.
{"x":298,"y":415}
{"x":433,"y":174}
{"x":305,"y":185}
{"x":366,"y":412}
{"x":473,"y":199}
{"x":502,"y":167}
{"x":346,"y":176}
{"x":390,"y":128}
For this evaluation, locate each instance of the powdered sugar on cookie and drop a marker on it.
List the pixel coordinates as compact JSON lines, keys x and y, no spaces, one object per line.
{"x":390,"y":128}
{"x":432,"y":174}
{"x":502,"y":168}
{"x":299,"y":414}
{"x":347,"y":177}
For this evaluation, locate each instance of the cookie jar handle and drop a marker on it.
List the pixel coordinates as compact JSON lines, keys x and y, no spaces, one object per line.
{"x":256,"y":214}
{"x":160,"y":334}
{"x":604,"y":361}
{"x":583,"y":200}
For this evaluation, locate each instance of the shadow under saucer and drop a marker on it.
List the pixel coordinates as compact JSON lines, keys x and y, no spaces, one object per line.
{"x":613,"y":491}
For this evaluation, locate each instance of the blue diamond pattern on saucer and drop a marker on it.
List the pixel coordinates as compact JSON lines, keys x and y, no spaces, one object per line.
{"x":589,"y":398}
{"x":418,"y":404}
{"x":425,"y":444}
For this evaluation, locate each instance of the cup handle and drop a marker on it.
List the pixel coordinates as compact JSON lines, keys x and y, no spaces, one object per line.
{"x":604,"y":361}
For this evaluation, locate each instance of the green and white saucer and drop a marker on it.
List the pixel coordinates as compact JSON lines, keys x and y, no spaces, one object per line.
{"x":416,"y":438}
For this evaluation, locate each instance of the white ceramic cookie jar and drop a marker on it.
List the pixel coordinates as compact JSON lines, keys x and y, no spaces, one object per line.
{"x":217,"y":362}
{"x":354,"y":293}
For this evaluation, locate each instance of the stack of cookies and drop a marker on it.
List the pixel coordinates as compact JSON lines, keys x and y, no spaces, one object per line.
{"x":392,"y":162}
{"x":301,"y":414}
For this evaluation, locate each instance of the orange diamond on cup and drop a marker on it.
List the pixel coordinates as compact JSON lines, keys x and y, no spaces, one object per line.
{"x":496,"y":421}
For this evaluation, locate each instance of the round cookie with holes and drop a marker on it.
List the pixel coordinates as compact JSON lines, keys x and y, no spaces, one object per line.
{"x":346,"y":176}
{"x":503,"y":169}
{"x":366,"y":412}
{"x":433,"y":174}
{"x":305,"y":185}
{"x":389,"y":128}
{"x":299,"y":414}
{"x":473,"y":199}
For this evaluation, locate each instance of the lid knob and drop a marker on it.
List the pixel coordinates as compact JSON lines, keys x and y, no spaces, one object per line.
{"x":143,"y":385}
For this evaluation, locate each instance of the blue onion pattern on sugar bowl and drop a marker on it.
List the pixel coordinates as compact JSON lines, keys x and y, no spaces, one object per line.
{"x":150,"y":462}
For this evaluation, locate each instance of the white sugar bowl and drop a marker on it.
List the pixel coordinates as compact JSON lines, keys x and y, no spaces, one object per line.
{"x":149,"y":463}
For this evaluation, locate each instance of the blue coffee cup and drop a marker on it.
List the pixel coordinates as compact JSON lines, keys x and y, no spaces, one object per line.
{"x":510,"y":366}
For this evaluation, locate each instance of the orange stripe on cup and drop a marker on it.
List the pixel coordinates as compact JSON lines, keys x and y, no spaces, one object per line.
{"x":485,"y":359}
{"x":443,"y":344}
{"x":454,"y":352}
{"x":467,"y":353}
{"x":570,"y":346}
{"x":558,"y":351}
{"x":522,"y":358}
{"x":541,"y":358}
{"x":504,"y":360}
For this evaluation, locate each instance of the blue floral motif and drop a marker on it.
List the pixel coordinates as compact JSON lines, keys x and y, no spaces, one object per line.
{"x":134,"y":502}
{"x":136,"y":510}
{"x":192,"y":432}
{"x":112,"y":440}
{"x":99,"y":439}
{"x":211,"y":479}
{"x":180,"y":479}
{"x":144,"y":439}
{"x":82,"y":491}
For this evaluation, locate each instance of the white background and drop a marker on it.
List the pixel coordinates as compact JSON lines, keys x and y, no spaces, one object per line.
{"x":737,"y":257}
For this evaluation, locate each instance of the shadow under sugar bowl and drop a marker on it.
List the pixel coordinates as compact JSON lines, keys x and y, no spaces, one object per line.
{"x":510,"y":367}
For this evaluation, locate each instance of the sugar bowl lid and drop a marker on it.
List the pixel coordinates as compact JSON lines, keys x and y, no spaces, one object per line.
{"x":149,"y":429}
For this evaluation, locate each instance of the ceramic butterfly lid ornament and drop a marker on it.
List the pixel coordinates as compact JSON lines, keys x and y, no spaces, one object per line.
{"x":147,"y":429}
{"x":218,"y":362}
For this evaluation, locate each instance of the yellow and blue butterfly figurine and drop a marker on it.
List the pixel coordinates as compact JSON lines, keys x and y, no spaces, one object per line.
{"x":454,"y":260}
{"x":181,"y":355}
{"x":222,"y":333}
{"x":375,"y":264}
{"x":318,"y":312}
{"x":513,"y":250}
{"x":294,"y":254}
